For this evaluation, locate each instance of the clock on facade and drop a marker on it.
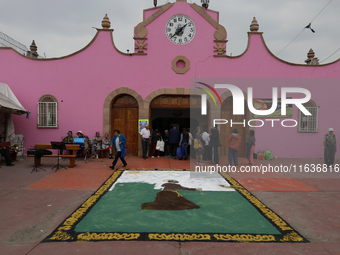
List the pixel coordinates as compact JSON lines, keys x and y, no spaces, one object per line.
{"x":180,"y":29}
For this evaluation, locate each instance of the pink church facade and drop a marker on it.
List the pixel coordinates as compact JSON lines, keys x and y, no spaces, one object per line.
{"x":100,"y":88}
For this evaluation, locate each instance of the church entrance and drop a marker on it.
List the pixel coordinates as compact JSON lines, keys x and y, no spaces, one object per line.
{"x":125,"y":118}
{"x":166,"y":110}
{"x":226,"y":130}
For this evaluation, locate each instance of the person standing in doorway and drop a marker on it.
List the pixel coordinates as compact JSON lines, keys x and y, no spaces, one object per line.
{"x":156,"y":136}
{"x":118,"y":142}
{"x":233,"y":141}
{"x":173,"y":140}
{"x":183,"y":143}
{"x":145,"y":135}
{"x":329,"y":144}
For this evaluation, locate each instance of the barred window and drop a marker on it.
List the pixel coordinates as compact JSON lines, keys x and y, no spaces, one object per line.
{"x":48,"y":112}
{"x":309,"y":123}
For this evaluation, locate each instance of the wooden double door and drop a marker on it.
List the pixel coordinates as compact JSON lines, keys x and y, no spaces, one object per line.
{"x":125,"y":118}
{"x":226,"y":129}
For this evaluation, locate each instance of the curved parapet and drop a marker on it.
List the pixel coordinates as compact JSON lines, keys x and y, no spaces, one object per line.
{"x":254,"y":27}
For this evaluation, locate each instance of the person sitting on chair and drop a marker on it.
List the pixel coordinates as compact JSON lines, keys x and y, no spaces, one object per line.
{"x":96,"y":145}
{"x":5,"y":152}
{"x":106,"y":141}
{"x":86,"y":142}
{"x":67,"y":140}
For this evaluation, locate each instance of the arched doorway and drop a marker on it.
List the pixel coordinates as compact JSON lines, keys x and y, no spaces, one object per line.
{"x":226,"y":129}
{"x":125,"y":118}
{"x":166,"y":110}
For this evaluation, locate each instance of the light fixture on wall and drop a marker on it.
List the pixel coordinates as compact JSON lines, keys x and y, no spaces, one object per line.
{"x":155,"y":3}
{"x":205,"y":4}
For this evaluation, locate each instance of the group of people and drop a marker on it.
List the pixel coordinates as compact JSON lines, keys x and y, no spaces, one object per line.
{"x":172,"y":139}
{"x":95,"y":144}
{"x":234,"y":142}
{"x":206,"y":145}
{"x":117,"y":144}
{"x":203,"y":145}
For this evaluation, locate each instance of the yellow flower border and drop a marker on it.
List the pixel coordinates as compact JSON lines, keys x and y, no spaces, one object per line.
{"x":65,"y":231}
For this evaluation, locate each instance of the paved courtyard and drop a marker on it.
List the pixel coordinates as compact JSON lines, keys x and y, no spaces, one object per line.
{"x":34,"y":204}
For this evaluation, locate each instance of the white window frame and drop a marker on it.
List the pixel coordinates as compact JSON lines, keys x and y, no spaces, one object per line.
{"x":309,"y":123}
{"x":48,"y":118}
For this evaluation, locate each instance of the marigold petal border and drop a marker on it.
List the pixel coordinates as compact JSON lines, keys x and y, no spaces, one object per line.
{"x":65,"y":231}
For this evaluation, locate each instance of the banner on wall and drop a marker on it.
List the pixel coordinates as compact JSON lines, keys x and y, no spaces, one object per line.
{"x":265,"y":104}
{"x":142,"y":124}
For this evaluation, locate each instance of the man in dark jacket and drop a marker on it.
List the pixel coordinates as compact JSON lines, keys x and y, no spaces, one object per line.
{"x":5,"y":152}
{"x":173,"y":140}
{"x":215,"y":143}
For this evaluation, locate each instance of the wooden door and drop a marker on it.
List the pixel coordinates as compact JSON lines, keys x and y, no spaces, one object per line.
{"x":226,"y":130}
{"x":173,"y":101}
{"x":125,"y":118}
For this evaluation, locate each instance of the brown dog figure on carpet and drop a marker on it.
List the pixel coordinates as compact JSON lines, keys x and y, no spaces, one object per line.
{"x":170,"y":199}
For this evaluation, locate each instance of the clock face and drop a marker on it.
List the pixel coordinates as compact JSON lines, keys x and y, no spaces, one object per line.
{"x":180,"y":29}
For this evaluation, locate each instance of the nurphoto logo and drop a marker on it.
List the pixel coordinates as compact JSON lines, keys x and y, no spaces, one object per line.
{"x":238,"y":104}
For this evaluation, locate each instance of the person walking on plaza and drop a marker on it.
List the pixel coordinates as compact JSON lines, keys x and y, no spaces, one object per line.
{"x":329,"y":144}
{"x":206,"y":145}
{"x":118,"y":142}
{"x":154,"y":138}
{"x":183,"y":143}
{"x":215,"y":143}
{"x":145,"y":135}
{"x":250,"y":144}
{"x":233,"y":141}
{"x":173,"y":140}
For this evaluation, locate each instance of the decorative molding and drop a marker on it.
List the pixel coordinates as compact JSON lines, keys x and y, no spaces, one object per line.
{"x":186,"y":62}
{"x":255,"y":33}
{"x":221,"y":48}
{"x":140,"y":45}
{"x":254,"y":26}
{"x":221,"y":32}
{"x":140,"y":29}
{"x":53,"y":98}
{"x":106,"y":24}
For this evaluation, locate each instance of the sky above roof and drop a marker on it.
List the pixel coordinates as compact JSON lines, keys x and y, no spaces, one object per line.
{"x":62,"y":27}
